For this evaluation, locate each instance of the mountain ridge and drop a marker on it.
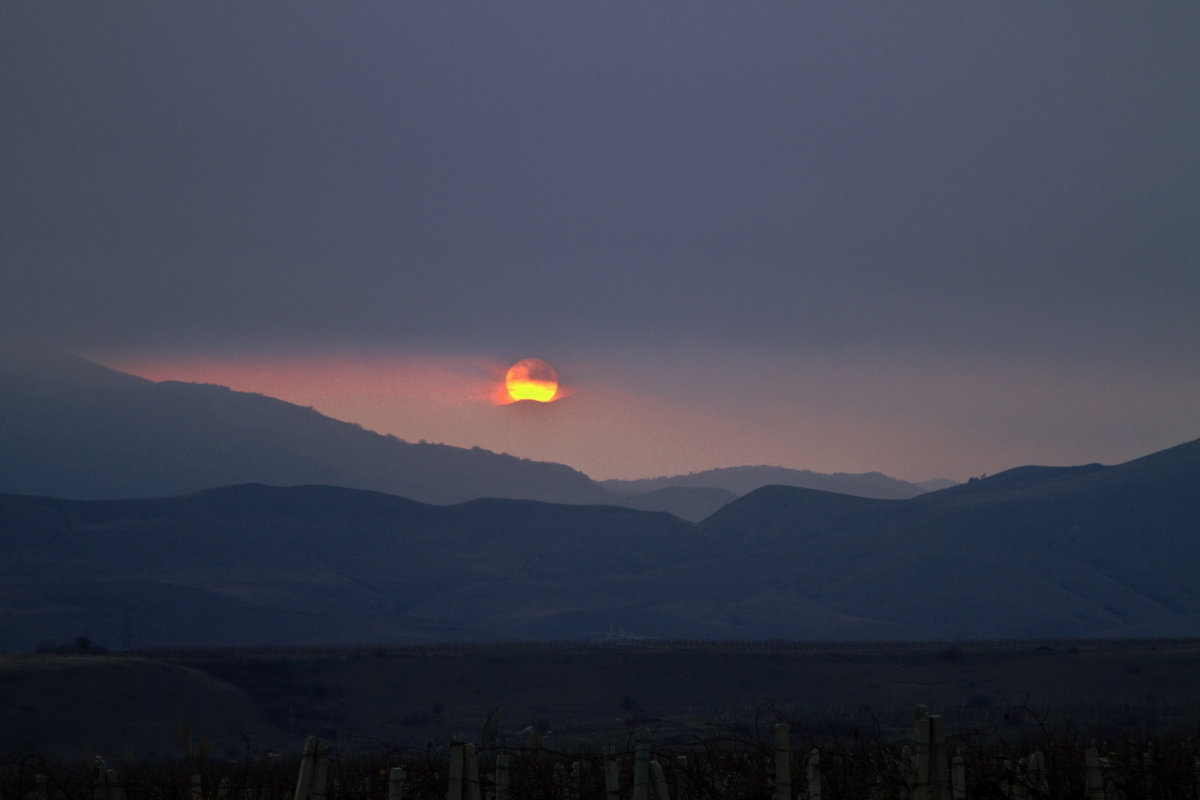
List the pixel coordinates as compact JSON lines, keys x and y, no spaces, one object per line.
{"x":742,"y":479}
{"x":75,"y":429}
{"x":1059,"y":553}
{"x":72,"y":428}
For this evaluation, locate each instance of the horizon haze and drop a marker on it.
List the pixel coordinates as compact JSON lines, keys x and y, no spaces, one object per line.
{"x":929,"y":240}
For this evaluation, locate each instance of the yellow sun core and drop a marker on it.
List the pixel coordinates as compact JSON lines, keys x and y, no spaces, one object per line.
{"x":531,"y":379}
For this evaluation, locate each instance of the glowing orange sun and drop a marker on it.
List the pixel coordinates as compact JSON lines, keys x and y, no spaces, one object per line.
{"x":532,"y":379}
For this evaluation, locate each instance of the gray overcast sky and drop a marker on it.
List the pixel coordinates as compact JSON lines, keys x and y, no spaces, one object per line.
{"x":851,"y":184}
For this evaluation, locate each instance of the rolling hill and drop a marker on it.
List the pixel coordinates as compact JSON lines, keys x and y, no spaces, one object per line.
{"x":1034,"y":552}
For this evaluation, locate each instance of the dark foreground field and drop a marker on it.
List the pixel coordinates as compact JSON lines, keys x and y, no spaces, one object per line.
{"x":146,"y":706}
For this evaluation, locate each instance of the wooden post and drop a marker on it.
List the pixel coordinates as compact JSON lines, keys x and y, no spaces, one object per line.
{"x":813,"y":766}
{"x":641,"y":772}
{"x":921,"y":789}
{"x":1018,"y":778}
{"x":454,"y":788}
{"x":560,"y":783}
{"x":1148,"y":771}
{"x":958,"y":778}
{"x":472,"y":771}
{"x":1037,"y":774}
{"x":99,"y":790}
{"x":114,"y":788}
{"x":932,"y":779}
{"x":398,"y":783}
{"x":1110,"y":788}
{"x":783,"y":762}
{"x":908,"y":768}
{"x":307,"y":767}
{"x":612,"y":776}
{"x":576,"y":780}
{"x":194,"y":792}
{"x":502,"y":776}
{"x":660,"y":781}
{"x":320,"y":772}
{"x":1094,"y":777}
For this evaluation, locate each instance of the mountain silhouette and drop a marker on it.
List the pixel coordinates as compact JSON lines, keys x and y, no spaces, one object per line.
{"x":741,"y":480}
{"x":72,"y":428}
{"x":692,"y":503}
{"x":1035,"y":552}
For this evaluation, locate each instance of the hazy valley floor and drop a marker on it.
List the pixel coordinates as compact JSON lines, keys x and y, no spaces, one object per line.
{"x":140,"y":705}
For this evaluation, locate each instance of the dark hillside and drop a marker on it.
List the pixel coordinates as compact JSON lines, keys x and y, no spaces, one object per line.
{"x":71,"y":428}
{"x":685,"y":502}
{"x":362,"y":566}
{"x":1035,"y":552}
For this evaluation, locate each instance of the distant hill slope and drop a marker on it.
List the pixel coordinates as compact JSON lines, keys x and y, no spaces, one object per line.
{"x":1035,"y":552}
{"x":71,"y":428}
{"x":255,"y":564}
{"x":686,"y":502}
{"x":740,"y":480}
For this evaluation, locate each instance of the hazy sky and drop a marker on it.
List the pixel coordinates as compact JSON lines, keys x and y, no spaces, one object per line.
{"x":933,"y":239}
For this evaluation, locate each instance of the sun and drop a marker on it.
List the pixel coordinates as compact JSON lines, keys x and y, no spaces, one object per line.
{"x":532,"y":379}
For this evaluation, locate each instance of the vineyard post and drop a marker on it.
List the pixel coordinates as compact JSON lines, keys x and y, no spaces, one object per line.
{"x":1111,"y":792}
{"x":958,"y":778}
{"x":320,"y":772}
{"x":932,"y":772}
{"x":397,"y":783}
{"x":783,"y":762}
{"x":612,"y":776}
{"x":660,"y":781}
{"x":1148,"y":770}
{"x":1094,"y":778}
{"x":1037,"y":773}
{"x":304,"y":779}
{"x":99,"y":789}
{"x":908,"y":770}
{"x":114,"y":788}
{"x":576,"y":780}
{"x":641,"y":771}
{"x":454,"y":787}
{"x":472,"y":771}
{"x":813,"y":765}
{"x":502,"y":776}
{"x":561,"y":784}
{"x":1016,"y":782}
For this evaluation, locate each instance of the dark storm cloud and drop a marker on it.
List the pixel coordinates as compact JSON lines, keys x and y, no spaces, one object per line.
{"x":1008,"y":178}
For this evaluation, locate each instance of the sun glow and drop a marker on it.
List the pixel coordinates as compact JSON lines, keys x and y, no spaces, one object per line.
{"x":532,"y":379}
